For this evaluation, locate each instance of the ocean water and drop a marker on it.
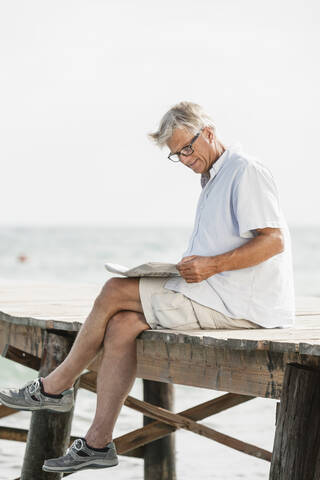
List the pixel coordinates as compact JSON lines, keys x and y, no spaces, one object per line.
{"x":77,"y":255}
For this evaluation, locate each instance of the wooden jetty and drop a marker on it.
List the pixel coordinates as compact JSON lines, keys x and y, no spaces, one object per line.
{"x":38,"y":324}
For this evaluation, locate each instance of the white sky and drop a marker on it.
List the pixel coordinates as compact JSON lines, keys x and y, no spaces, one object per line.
{"x":82,"y":82}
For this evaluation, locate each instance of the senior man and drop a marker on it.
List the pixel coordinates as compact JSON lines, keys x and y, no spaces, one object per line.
{"x":236,"y":273}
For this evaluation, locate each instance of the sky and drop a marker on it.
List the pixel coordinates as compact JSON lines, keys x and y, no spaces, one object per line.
{"x":83,"y":82}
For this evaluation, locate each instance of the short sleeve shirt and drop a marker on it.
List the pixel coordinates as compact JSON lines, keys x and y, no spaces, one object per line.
{"x":239,"y":196}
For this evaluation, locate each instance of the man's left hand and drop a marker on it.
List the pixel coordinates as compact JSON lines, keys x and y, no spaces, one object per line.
{"x":196,"y":268}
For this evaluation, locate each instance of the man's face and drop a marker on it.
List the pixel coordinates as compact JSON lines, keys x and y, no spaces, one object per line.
{"x":203,"y":156}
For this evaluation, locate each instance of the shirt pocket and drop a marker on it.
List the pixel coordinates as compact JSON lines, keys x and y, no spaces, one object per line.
{"x":174,"y":311}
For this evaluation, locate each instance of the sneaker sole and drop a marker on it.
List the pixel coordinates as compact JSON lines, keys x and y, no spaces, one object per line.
{"x":77,"y":468}
{"x":31,"y":408}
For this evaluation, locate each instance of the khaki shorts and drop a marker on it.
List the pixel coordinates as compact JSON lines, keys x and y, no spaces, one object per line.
{"x":165,"y":309}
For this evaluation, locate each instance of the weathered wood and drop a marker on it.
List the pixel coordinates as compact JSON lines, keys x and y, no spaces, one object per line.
{"x":231,"y":369}
{"x":249,"y":362}
{"x":66,"y":307}
{"x":88,"y":381}
{"x":296,"y":451}
{"x":49,"y":433}
{"x":180,"y":421}
{"x":5,"y":411}
{"x":174,"y":421}
{"x":159,"y":459}
{"x":247,"y":372}
{"x":20,"y":435}
{"x":28,"y":339}
{"x":14,"y":434}
{"x":157,"y":429}
{"x":44,"y":305}
{"x":19,"y":356}
{"x":196,"y":362}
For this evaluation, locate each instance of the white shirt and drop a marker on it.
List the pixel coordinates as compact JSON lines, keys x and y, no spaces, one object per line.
{"x":240,"y":196}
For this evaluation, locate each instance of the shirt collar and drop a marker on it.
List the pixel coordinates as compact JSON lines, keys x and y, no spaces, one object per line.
{"x":205,"y":177}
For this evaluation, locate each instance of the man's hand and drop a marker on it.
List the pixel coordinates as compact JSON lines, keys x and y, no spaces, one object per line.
{"x":268,"y":242}
{"x":196,"y":268}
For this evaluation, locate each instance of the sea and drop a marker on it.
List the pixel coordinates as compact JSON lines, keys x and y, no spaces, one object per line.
{"x":77,"y":255}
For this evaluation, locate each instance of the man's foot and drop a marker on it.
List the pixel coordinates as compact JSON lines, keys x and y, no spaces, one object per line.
{"x":33,"y":397}
{"x":80,"y":457}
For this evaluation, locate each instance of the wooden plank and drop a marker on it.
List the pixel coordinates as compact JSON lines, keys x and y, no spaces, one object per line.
{"x":234,"y":340}
{"x":41,"y":303}
{"x":180,"y":421}
{"x":84,"y":293}
{"x":291,"y":337}
{"x":258,"y":335}
{"x":296,"y":453}
{"x":64,"y":307}
{"x":19,"y":356}
{"x":211,"y":407}
{"x":29,"y":339}
{"x":158,"y":429}
{"x":14,"y":434}
{"x":217,"y":366}
{"x":248,"y":372}
{"x":21,"y":435}
{"x":72,"y":325}
{"x":71,"y":303}
{"x":6,"y":411}
{"x":26,"y":338}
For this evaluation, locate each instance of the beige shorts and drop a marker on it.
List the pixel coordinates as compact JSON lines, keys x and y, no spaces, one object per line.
{"x":165,"y":309}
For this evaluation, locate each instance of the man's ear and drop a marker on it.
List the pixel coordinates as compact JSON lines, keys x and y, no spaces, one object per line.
{"x":208,"y":134}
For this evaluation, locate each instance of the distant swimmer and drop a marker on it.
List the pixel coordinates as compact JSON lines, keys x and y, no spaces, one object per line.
{"x":22,"y":258}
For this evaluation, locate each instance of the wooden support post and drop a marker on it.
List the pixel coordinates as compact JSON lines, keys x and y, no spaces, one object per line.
{"x":49,"y":432}
{"x":296,"y":451}
{"x":159,"y":458}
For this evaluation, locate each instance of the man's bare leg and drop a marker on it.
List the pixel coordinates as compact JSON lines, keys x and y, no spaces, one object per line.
{"x":116,"y":374}
{"x":117,"y":294}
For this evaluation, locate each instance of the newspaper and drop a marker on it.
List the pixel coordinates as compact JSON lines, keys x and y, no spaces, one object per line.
{"x":150,"y":269}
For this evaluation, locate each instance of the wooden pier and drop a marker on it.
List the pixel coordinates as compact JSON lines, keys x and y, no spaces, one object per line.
{"x":38,"y":324}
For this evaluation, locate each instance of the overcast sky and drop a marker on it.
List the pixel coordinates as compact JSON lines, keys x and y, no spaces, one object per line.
{"x":83,"y":82}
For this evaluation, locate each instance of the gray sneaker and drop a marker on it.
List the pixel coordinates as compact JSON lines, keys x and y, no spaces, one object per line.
{"x":80,"y":457}
{"x":31,"y":397}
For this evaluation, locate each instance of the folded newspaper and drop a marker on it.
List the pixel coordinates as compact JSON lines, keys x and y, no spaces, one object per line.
{"x":151,"y":269}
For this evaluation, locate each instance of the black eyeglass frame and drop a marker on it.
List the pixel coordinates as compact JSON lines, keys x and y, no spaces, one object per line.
{"x":181,"y":151}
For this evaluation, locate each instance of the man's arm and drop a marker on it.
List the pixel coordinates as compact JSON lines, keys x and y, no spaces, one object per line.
{"x":268,"y":242}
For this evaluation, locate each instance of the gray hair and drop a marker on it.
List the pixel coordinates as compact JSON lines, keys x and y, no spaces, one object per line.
{"x":183,"y":115}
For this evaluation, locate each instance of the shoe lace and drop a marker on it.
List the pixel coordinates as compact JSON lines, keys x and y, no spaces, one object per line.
{"x":34,"y":387}
{"x":77,"y":445}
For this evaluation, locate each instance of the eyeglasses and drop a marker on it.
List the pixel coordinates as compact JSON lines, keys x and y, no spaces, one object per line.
{"x":185,"y":151}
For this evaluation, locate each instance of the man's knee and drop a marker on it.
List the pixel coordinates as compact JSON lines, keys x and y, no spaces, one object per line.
{"x":125,"y":326}
{"x":117,"y":290}
{"x":110,"y":291}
